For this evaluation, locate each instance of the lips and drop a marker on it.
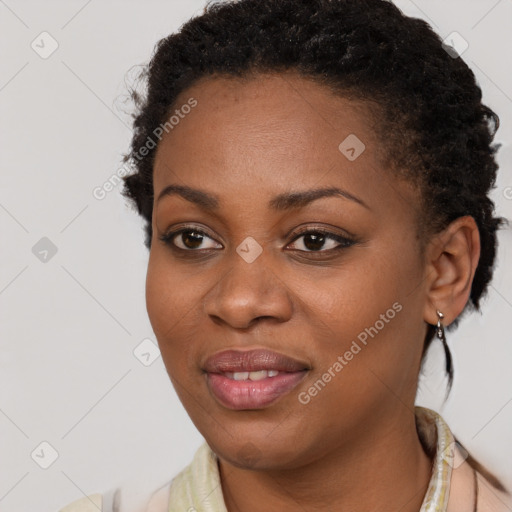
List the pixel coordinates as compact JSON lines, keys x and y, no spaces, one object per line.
{"x":254,"y":379}
{"x":252,"y":361}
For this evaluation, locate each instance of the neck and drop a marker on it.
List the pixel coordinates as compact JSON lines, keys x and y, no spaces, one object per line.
{"x":386,"y":468}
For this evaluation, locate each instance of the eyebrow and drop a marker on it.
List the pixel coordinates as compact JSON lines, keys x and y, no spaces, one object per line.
{"x":281,"y":202}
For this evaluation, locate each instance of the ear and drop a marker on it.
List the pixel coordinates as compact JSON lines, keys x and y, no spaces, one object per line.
{"x":451,"y":260}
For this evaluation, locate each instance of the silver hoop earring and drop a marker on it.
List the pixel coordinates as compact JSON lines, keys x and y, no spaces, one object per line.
{"x":441,"y":335}
{"x":440,"y":327}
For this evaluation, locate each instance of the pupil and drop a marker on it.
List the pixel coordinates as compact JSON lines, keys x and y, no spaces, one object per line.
{"x":318,"y":241}
{"x":194,"y":236}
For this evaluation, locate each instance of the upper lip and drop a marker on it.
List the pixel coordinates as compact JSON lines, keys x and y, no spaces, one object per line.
{"x":252,"y":360}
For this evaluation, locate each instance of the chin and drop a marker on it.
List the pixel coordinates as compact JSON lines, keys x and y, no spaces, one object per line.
{"x":256,"y":454}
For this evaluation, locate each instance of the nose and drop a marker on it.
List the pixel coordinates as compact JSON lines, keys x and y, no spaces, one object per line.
{"x":248,"y":292}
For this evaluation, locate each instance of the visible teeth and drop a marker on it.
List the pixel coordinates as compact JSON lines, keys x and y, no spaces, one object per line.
{"x":262,"y":374}
{"x":256,"y":375}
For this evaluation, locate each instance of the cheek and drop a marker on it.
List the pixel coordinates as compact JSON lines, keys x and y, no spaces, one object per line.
{"x":160,"y":296}
{"x":170,"y":298}
{"x":373,"y":302}
{"x":351,"y":297}
{"x":174,"y":298}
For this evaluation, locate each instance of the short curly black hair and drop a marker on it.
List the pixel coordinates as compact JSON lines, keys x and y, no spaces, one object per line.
{"x":433,"y":127}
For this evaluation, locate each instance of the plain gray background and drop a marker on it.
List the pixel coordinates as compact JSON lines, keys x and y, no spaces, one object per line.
{"x":70,"y":324}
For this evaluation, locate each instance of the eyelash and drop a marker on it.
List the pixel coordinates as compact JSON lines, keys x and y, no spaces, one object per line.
{"x":344,"y":241}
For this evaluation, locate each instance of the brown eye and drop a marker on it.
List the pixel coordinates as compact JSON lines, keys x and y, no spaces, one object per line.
{"x":321,"y":241}
{"x":188,"y":239}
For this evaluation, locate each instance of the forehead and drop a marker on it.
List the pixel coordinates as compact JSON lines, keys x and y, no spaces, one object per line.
{"x":274,"y":132}
{"x":284,"y":109}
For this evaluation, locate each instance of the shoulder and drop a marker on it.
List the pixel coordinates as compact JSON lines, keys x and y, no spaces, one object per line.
{"x":462,"y":491}
{"x":195,"y":486}
{"x":198,"y":486}
{"x":491,"y":499}
{"x":120,"y":499}
{"x":91,"y":503}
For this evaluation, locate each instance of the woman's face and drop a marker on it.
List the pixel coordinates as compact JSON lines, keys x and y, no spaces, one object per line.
{"x":346,"y":306}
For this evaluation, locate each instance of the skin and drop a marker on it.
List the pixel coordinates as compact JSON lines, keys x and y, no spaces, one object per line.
{"x":354,"y":446}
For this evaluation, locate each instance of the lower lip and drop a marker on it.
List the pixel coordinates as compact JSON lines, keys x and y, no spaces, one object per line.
{"x":249,"y":394}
